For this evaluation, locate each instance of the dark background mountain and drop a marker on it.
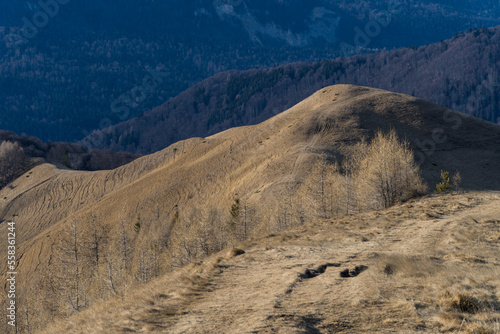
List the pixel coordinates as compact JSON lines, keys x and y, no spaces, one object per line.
{"x":61,"y":83}
{"x":462,"y":73}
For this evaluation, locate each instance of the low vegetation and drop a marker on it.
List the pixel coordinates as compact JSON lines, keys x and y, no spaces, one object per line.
{"x":460,"y":301}
{"x":445,"y":185}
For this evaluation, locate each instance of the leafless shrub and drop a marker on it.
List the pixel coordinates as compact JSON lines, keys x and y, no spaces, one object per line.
{"x":456,"y":179}
{"x":12,"y":161}
{"x":386,"y":172}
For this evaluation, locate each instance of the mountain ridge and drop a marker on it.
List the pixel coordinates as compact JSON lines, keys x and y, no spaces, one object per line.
{"x":201,"y":195}
{"x":58,"y":81}
{"x":240,"y":98}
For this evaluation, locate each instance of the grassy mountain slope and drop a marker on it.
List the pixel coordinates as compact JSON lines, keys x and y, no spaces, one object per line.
{"x":146,"y":202}
{"x":428,"y":266}
{"x":461,"y":73}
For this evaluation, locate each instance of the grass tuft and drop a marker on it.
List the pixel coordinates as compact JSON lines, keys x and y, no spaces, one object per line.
{"x":460,"y":301}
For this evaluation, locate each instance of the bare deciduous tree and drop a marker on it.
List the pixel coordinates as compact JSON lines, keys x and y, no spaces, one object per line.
{"x":73,"y":264}
{"x":387,"y":172}
{"x":12,"y":161}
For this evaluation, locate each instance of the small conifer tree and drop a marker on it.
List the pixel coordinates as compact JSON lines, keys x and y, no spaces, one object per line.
{"x":235,"y":212}
{"x":444,"y":185}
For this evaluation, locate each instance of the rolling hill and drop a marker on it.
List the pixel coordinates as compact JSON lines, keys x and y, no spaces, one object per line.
{"x":87,"y":236}
{"x":461,"y":73}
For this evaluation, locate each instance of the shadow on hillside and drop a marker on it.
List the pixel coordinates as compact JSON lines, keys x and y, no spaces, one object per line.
{"x":309,"y":324}
{"x":312,"y":325}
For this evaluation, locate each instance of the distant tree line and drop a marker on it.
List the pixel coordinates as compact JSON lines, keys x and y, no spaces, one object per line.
{"x":66,"y":155}
{"x":239,"y":98}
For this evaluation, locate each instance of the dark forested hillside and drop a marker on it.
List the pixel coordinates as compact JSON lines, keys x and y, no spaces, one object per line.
{"x":63,"y":155}
{"x":68,"y":67}
{"x":462,"y":73}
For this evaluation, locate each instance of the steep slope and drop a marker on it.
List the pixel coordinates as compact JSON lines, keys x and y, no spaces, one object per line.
{"x":146,"y":203}
{"x":331,"y":120}
{"x":462,"y":73}
{"x":426,"y":266}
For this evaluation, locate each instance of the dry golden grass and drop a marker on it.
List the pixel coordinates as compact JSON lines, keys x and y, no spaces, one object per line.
{"x":259,"y":165}
{"x":412,"y":283}
{"x":462,"y":301}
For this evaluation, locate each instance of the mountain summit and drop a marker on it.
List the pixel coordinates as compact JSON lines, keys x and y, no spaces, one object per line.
{"x":198,"y":196}
{"x":65,"y":64}
{"x":465,"y":72}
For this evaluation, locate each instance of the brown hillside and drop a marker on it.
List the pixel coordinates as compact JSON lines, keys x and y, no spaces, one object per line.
{"x":428,"y":266}
{"x":255,"y":164}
